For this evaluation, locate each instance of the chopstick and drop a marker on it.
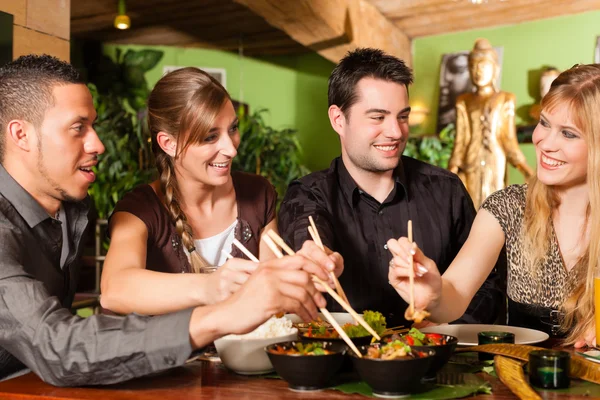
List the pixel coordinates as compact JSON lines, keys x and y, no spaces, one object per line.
{"x":412,"y":271}
{"x":410,"y":313}
{"x":328,"y":316}
{"x":346,"y":306}
{"x":244,"y":250}
{"x":316,"y":236}
{"x":229,"y":256}
{"x":272,"y":245}
{"x":314,"y":233}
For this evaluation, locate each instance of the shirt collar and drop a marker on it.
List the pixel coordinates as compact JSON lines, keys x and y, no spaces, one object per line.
{"x":31,"y":211}
{"x":351,"y":190}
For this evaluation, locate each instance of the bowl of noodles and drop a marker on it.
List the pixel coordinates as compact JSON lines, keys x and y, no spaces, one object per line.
{"x":245,"y":354}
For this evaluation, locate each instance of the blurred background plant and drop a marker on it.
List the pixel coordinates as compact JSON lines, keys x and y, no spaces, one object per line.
{"x":119,"y":90}
{"x":433,"y":149}
{"x":274,"y":154}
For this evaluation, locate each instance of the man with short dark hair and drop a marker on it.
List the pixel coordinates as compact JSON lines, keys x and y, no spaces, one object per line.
{"x":369,"y":193}
{"x":48,"y":151}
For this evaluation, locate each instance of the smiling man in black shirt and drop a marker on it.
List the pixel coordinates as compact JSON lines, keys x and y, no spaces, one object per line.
{"x":369,"y":193}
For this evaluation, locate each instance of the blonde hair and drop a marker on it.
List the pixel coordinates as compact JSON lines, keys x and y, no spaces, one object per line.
{"x":579,"y":89}
{"x":184,"y":104}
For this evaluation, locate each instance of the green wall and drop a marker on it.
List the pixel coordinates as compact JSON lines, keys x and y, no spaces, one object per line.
{"x":292,"y":88}
{"x":528,"y":47}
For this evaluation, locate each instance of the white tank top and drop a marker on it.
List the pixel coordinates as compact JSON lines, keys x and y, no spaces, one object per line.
{"x":212,"y":248}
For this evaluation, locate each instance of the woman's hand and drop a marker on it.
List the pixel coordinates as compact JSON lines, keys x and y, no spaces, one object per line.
{"x":229,"y":277}
{"x":277,"y":286}
{"x":428,"y":282}
{"x":588,"y":339}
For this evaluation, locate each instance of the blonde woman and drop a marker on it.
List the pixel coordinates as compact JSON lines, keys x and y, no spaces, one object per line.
{"x":186,"y":221}
{"x":551,"y":227}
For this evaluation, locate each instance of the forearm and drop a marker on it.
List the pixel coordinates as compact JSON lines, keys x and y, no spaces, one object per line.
{"x":152,"y":293}
{"x":449,"y":306}
{"x":65,"y":350}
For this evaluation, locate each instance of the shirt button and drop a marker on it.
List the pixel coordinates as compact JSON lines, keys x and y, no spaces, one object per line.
{"x":169,"y":360}
{"x":381,"y":212}
{"x":385,"y":246}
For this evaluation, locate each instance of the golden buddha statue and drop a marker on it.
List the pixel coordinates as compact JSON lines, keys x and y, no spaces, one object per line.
{"x":485,"y":129}
{"x":548,"y":76}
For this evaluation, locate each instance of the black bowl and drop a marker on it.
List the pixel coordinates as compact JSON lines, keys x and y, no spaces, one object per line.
{"x":392,"y":377}
{"x":307,"y":372}
{"x":442,"y":354}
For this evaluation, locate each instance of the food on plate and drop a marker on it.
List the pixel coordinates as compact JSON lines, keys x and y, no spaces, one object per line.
{"x":417,"y":338}
{"x":302,"y":349}
{"x":272,"y":328}
{"x":396,"y":350}
{"x":373,"y":318}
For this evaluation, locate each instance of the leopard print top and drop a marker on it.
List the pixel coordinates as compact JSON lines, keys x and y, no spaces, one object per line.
{"x":508,"y":206}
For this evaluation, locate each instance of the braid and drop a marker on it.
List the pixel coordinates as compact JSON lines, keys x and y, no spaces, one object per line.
{"x":168,"y":184}
{"x":184,"y":104}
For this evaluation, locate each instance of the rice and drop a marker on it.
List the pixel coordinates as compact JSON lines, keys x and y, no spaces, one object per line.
{"x":272,"y":328}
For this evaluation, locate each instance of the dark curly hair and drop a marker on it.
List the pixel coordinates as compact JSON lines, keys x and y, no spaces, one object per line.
{"x":26,"y":86}
{"x":364,"y":63}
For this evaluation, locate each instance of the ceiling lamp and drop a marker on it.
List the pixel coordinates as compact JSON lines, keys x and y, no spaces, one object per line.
{"x":122,"y":21}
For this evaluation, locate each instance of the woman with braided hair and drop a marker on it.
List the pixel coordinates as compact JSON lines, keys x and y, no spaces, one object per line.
{"x":187,"y":220}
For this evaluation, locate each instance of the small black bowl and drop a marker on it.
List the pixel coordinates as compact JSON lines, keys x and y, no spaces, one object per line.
{"x":392,"y":377}
{"x":307,"y":372}
{"x":442,"y":354}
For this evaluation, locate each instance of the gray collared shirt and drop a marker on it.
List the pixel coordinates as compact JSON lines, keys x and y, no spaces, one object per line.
{"x":37,"y":329}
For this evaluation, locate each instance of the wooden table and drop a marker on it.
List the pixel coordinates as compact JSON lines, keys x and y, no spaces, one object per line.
{"x":198,"y":380}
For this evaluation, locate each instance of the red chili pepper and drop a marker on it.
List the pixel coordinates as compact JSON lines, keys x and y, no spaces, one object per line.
{"x":410,"y":340}
{"x":436,"y":338}
{"x":309,"y":332}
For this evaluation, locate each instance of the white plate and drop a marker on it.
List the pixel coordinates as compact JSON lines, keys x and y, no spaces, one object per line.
{"x":467,"y":334}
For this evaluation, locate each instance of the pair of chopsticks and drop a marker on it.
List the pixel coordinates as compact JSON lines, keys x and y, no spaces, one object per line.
{"x":410,"y":313}
{"x":270,"y":238}
{"x":314,"y":234}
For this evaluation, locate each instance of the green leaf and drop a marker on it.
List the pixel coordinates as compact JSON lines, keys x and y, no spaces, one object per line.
{"x":143,"y":59}
{"x":416,"y":334}
{"x":473,"y":386}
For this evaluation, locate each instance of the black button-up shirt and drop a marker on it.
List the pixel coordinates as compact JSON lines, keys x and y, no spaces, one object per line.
{"x":358,"y":226}
{"x":37,"y":329}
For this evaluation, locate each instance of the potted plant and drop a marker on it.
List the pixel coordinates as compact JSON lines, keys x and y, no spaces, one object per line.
{"x":434,"y":149}
{"x":120,"y":91}
{"x":274,"y":154}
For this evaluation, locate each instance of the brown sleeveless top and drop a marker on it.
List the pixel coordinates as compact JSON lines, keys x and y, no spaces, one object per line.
{"x":256,"y":202}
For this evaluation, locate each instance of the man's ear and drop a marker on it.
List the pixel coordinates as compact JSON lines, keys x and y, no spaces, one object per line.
{"x":21,"y":134}
{"x":167,"y":143}
{"x":337,"y":119}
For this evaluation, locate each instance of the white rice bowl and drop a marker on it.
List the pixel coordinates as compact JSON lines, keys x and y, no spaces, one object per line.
{"x":245,"y":354}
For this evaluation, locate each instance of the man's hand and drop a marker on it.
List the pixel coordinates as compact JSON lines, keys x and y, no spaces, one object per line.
{"x":327,"y":261}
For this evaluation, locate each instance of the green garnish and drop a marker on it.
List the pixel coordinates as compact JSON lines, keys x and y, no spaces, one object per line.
{"x":374,"y":319}
{"x":417,"y":335}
